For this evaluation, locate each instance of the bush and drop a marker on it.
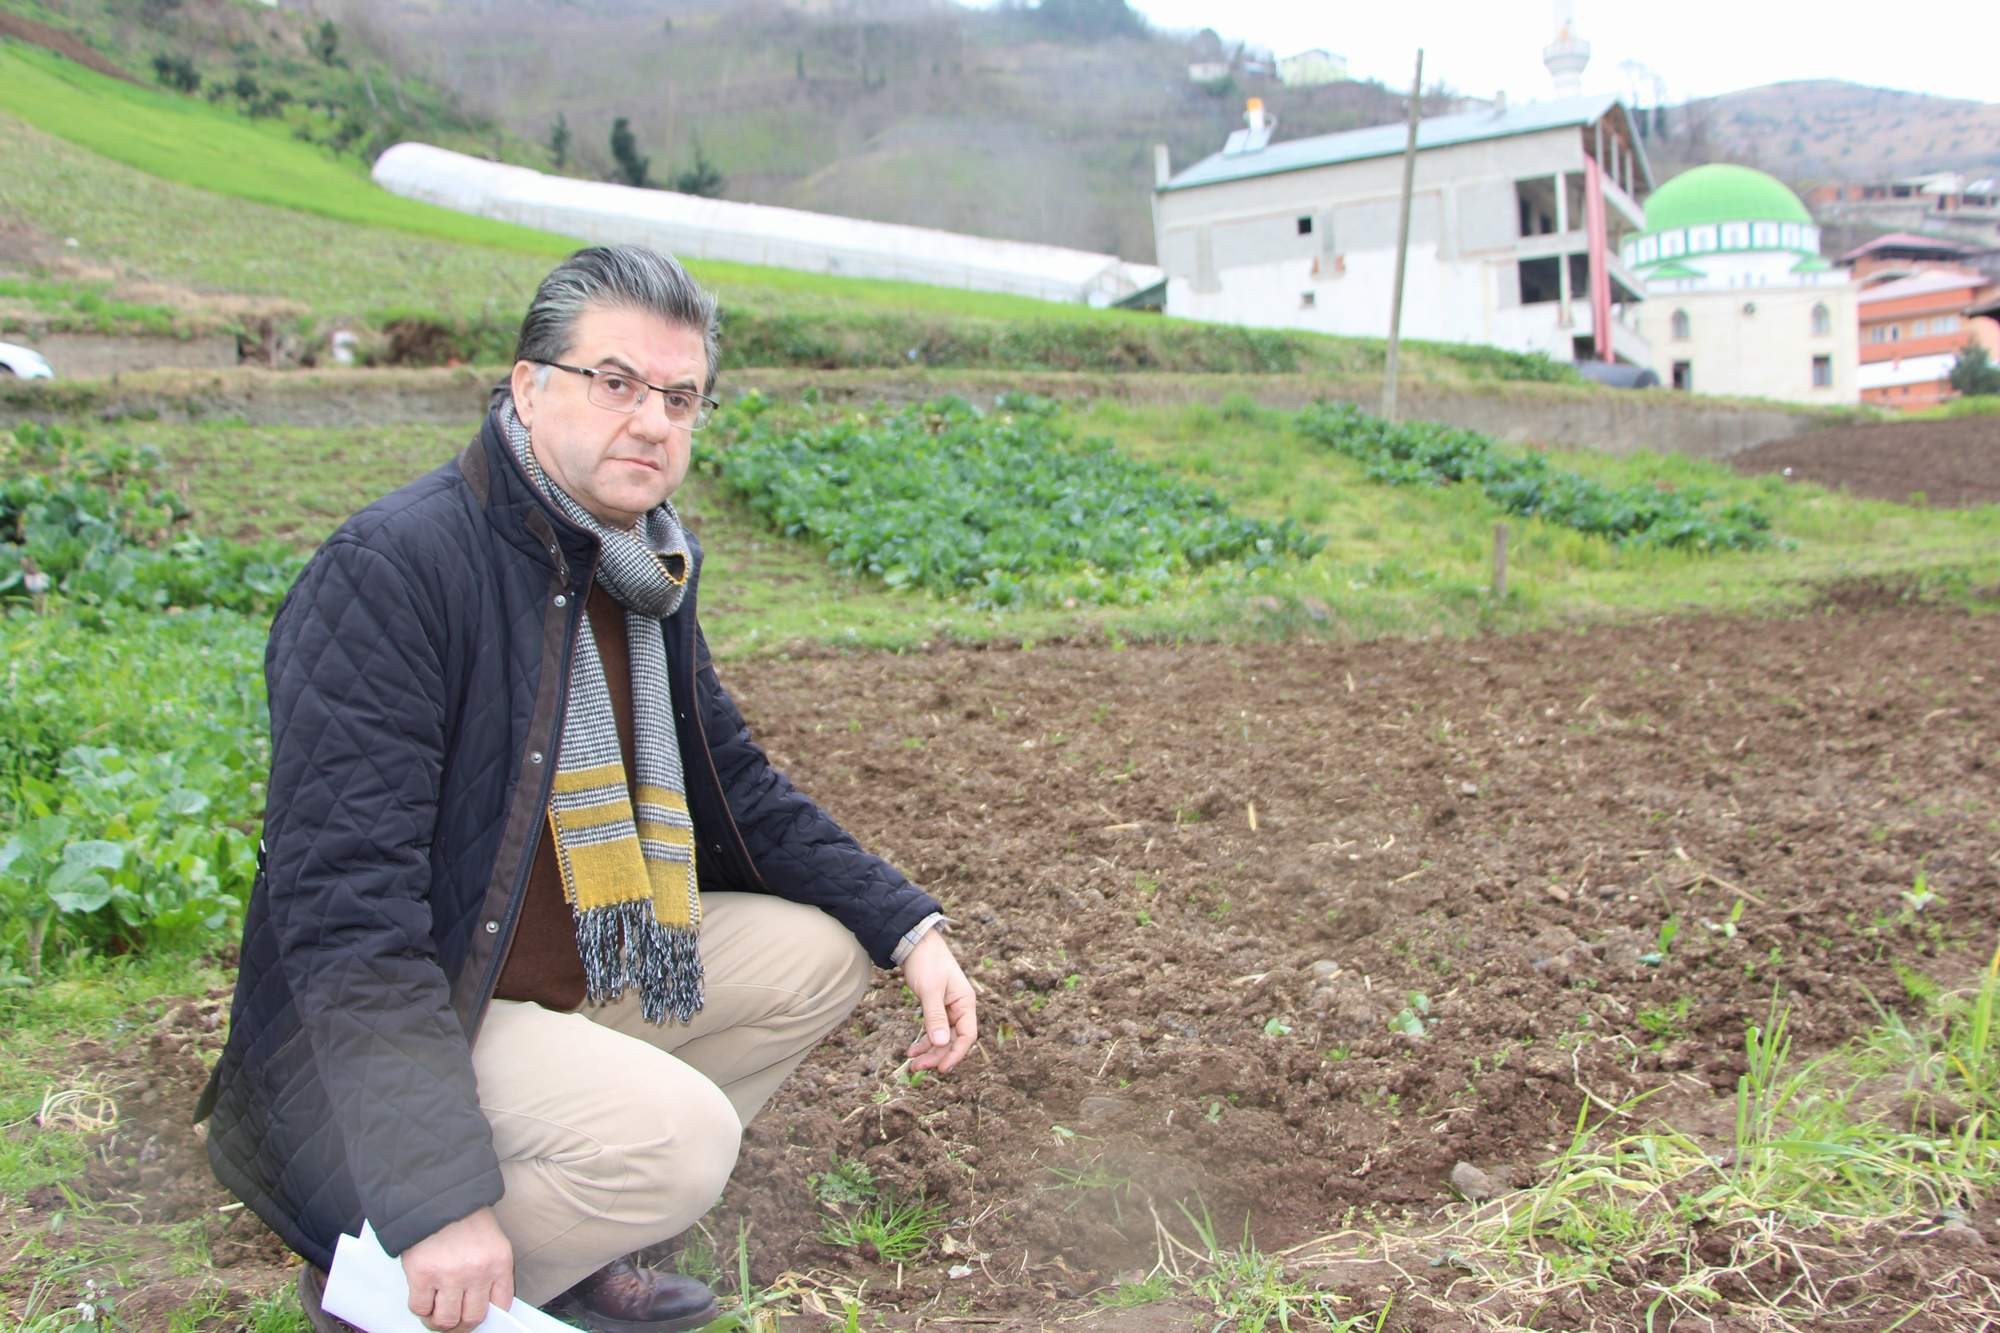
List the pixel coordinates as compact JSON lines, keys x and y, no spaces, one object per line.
{"x":1973,"y":372}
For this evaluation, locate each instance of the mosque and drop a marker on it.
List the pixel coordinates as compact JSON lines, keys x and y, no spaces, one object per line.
{"x":1738,"y":299}
{"x":1536,"y":227}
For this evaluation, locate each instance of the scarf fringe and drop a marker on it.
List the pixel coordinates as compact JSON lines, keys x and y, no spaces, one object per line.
{"x":624,"y":944}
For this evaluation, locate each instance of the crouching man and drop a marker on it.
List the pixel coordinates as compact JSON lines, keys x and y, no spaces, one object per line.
{"x":538,"y":928}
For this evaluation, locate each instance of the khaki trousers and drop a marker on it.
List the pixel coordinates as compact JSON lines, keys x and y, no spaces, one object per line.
{"x":614,"y":1133}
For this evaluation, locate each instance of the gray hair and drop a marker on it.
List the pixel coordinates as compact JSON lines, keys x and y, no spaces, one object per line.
{"x":624,"y":276}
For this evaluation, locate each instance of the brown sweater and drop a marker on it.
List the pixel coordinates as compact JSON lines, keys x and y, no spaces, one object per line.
{"x":542,"y":963}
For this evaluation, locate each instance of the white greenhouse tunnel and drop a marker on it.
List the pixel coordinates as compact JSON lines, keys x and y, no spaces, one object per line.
{"x":693,"y":227}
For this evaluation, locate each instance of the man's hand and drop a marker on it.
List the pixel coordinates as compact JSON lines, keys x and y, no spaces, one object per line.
{"x":457,"y":1271}
{"x":951,"y":1024}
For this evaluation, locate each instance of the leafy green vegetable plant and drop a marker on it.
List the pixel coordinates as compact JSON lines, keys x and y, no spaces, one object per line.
{"x":1001,"y":508}
{"x":1422,"y":453}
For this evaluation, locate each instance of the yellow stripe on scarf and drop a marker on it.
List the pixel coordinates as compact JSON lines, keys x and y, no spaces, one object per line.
{"x":605,"y":872}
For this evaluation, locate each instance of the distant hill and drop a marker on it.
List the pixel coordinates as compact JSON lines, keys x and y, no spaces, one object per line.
{"x":1816,"y":130}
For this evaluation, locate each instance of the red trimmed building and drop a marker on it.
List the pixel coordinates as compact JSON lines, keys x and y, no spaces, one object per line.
{"x":1912,"y":329}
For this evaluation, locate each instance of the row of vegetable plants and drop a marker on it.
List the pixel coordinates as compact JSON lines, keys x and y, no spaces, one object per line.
{"x":1424,"y":453}
{"x":1002,"y":508}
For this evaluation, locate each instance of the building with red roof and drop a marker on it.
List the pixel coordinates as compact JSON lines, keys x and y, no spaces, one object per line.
{"x":1912,"y":330}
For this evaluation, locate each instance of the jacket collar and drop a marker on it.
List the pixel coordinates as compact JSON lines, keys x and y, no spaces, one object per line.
{"x":522,"y":515}
{"x":519,"y":512}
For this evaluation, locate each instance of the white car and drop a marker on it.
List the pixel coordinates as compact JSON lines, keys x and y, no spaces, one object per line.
{"x":24,"y":362}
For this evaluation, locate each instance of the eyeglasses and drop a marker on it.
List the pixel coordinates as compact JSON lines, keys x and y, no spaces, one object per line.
{"x":619,"y":392}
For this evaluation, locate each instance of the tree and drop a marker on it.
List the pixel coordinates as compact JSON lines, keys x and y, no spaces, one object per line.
{"x":1973,"y":372}
{"x":703,"y":178}
{"x":631,"y":168}
{"x":177,"y":72}
{"x":326,"y":44}
{"x":559,"y":140}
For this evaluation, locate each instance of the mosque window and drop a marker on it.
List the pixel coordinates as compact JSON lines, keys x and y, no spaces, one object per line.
{"x":1682,"y":326}
{"x":1673,"y":243}
{"x":1791,"y":239}
{"x":1822,"y":321}
{"x":1701,"y":239}
{"x":1735,"y":235}
{"x":1822,"y":372}
{"x":1764,"y":235}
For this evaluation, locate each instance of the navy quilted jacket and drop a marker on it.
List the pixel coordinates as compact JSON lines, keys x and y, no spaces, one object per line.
{"x":417,"y":675}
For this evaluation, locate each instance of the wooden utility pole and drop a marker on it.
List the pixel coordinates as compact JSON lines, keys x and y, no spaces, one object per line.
{"x":1402,"y":244}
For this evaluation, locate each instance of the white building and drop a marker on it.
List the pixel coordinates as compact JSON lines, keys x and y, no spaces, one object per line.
{"x":1515,"y":228}
{"x":1739,"y":300}
{"x":1309,"y":68}
{"x":693,"y":227}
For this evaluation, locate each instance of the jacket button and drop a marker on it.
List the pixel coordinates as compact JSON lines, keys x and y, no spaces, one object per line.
{"x":534,"y":756}
{"x":492,"y":927}
{"x":561,"y":600}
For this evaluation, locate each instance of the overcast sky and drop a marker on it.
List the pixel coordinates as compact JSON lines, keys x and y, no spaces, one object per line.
{"x":1700,"y":47}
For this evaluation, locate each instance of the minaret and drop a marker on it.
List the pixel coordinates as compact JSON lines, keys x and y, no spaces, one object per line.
{"x":1567,"y":54}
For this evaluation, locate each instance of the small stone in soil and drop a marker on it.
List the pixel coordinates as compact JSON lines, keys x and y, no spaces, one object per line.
{"x":1470,"y":1181}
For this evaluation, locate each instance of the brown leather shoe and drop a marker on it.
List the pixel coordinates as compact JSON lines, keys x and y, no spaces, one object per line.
{"x":622,"y":1297}
{"x":312,"y":1287}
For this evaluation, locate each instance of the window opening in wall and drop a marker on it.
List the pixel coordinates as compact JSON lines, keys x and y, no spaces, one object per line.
{"x":1822,"y":374}
{"x":1305,"y":226}
{"x":1822,"y":321}
{"x":1307,"y":300}
{"x":1681,"y":326}
{"x":1684,"y":375}
{"x":1540,"y":280}
{"x":1535,"y":199}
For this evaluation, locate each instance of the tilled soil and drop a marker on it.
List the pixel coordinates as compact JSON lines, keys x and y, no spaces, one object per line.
{"x":1200,"y":888}
{"x":1951,"y":463}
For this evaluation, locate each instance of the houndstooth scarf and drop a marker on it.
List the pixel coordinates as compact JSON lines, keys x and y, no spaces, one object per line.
{"x":629,"y":878}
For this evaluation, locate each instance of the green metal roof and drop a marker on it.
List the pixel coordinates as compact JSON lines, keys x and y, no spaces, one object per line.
{"x":1325,"y":150}
{"x":1674,"y":268}
{"x":1721,"y":192}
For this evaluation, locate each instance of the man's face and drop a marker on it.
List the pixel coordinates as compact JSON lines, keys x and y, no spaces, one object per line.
{"x":618,"y":465}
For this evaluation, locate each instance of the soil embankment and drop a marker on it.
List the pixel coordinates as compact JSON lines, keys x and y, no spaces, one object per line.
{"x":1950,"y":463}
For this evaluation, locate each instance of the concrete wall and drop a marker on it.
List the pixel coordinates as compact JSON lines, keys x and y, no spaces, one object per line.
{"x":1768,"y":354}
{"x":1234,"y":253}
{"x":92,"y":355}
{"x":1617,"y":423}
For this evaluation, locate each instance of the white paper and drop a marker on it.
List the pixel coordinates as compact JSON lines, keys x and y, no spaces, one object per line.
{"x":366,"y":1287}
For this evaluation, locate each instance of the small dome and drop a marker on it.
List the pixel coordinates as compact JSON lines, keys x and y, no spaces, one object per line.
{"x":1718,"y":211}
{"x":1720,"y":192}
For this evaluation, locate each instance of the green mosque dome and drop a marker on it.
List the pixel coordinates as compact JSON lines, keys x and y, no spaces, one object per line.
{"x":1720,"y":192}
{"x":1710,"y":212}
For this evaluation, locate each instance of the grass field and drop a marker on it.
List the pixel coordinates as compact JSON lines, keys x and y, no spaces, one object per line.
{"x":1397,"y":561}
